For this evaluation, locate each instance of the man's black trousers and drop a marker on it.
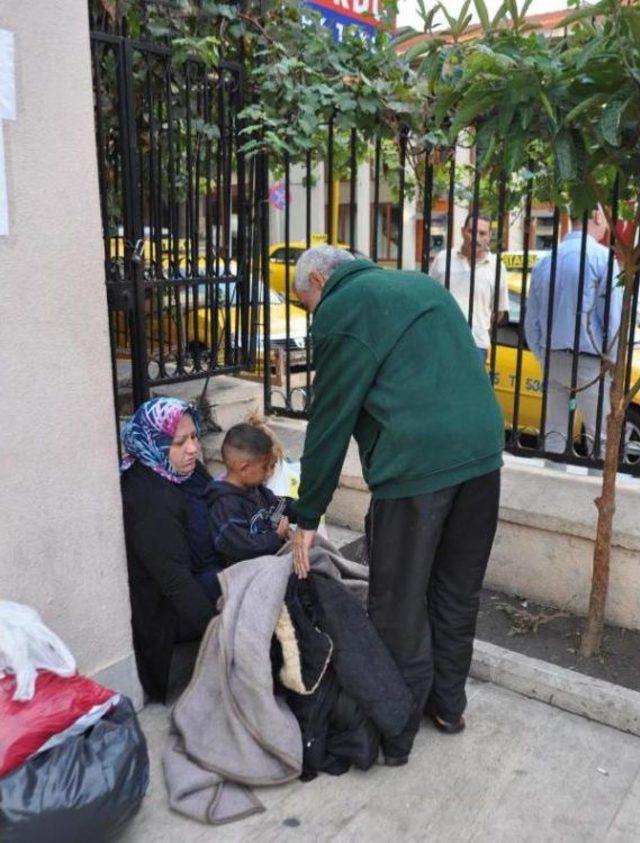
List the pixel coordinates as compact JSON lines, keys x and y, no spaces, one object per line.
{"x":428,"y":555}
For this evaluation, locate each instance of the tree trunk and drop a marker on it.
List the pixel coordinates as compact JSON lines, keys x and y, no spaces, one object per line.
{"x":591,"y":639}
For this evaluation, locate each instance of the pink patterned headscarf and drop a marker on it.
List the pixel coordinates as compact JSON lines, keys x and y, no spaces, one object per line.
{"x":148,"y":434}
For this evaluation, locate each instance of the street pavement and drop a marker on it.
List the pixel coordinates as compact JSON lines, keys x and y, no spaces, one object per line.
{"x":522,"y":771}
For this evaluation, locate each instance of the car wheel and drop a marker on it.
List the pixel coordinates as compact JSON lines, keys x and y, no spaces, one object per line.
{"x":631,"y":447}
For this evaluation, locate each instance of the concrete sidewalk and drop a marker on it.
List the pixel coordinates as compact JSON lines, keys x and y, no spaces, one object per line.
{"x":522,"y":771}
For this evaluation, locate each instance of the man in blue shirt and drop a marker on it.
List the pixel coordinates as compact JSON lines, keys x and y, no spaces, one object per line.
{"x":596,"y":341}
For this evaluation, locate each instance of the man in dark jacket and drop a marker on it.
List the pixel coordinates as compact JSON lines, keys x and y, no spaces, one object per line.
{"x":396,"y":366}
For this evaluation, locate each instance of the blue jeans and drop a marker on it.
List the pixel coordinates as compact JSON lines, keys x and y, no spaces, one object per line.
{"x":482,"y":353}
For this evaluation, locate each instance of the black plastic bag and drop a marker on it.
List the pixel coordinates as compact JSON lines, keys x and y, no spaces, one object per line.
{"x":83,"y":790}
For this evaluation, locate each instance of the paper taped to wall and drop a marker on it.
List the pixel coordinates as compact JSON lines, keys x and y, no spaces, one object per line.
{"x":7,"y":112}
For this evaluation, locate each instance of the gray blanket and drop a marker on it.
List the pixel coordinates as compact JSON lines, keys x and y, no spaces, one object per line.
{"x":230,"y":732}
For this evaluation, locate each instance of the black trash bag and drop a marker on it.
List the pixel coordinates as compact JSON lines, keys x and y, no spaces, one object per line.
{"x":83,"y":790}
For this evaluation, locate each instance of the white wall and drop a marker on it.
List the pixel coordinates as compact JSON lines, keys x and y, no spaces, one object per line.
{"x":62,"y":548}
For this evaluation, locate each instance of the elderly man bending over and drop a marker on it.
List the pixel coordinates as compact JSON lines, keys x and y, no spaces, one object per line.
{"x":397,"y":367}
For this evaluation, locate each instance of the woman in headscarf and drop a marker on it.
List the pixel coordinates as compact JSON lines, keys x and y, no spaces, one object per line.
{"x":172,"y":569}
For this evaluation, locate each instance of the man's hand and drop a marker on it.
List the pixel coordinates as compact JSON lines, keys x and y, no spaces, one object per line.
{"x":283,"y":528}
{"x":302,"y":543}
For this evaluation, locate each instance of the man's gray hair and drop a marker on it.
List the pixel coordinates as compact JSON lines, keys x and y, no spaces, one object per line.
{"x":324,"y":259}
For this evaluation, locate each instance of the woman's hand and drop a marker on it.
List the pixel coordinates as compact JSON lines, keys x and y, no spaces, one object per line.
{"x":302,"y":544}
{"x":283,"y":529}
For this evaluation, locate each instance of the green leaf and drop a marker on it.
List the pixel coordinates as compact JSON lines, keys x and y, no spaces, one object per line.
{"x":525,"y":113}
{"x":582,"y":165}
{"x":544,"y":99}
{"x":499,"y":15}
{"x":409,"y":35}
{"x":369,"y":105}
{"x":565,"y":152}
{"x":505,"y":116}
{"x":426,"y":16}
{"x":582,"y":197}
{"x":414,"y":52}
{"x":582,"y":13}
{"x":486,"y":142}
{"x":430,"y":67}
{"x":469,"y":111}
{"x":464,"y":17}
{"x":584,"y":105}
{"x":610,"y":120}
{"x":631,"y":17}
{"x":483,"y":14}
{"x":514,"y":150}
{"x":485,"y":156}
{"x":512,"y":8}
{"x":450,"y":19}
{"x":443,"y":106}
{"x":525,"y":8}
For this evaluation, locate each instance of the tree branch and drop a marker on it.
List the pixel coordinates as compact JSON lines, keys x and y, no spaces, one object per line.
{"x":253,"y":22}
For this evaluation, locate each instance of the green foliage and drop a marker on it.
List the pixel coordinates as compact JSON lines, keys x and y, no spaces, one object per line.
{"x":571,"y":104}
{"x":298,"y":77}
{"x":575,"y":100}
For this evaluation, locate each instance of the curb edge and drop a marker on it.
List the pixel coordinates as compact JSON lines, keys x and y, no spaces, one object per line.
{"x":604,"y":702}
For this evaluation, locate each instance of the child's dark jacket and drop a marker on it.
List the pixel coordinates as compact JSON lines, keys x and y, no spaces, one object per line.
{"x":243,"y":521}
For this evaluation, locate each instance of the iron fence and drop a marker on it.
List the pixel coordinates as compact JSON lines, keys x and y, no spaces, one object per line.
{"x":200,"y":259}
{"x":177,"y":201}
{"x":440,"y":189}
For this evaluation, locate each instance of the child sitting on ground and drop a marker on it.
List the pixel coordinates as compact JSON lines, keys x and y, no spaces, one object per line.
{"x":246,"y":519}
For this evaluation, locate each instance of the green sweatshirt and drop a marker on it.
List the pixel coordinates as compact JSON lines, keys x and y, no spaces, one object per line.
{"x":396,"y":366}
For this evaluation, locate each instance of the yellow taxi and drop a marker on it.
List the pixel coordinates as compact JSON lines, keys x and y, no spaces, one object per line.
{"x":291,"y":344}
{"x":278,"y":260}
{"x":199,"y":317}
{"x":531,"y":379}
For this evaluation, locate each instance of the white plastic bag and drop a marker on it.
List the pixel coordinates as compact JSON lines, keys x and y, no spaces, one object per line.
{"x":285,"y":482}
{"x":27,"y":645}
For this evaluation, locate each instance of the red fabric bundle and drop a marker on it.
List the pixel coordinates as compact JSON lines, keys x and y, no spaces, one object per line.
{"x":58,"y":703}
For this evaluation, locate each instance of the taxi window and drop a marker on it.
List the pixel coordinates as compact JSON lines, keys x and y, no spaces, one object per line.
{"x":507,"y":335}
{"x":279,"y":255}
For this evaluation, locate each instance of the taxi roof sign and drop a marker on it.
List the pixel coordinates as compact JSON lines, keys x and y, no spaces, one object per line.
{"x":515,"y":260}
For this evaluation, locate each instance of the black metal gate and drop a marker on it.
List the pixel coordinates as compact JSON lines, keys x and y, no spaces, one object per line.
{"x":176,"y":199}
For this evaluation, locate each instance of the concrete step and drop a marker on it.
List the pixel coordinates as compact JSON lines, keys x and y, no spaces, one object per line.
{"x":229,"y":400}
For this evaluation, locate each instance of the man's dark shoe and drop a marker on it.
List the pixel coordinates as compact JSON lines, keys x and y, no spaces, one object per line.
{"x":396,"y":760}
{"x":448,"y":728}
